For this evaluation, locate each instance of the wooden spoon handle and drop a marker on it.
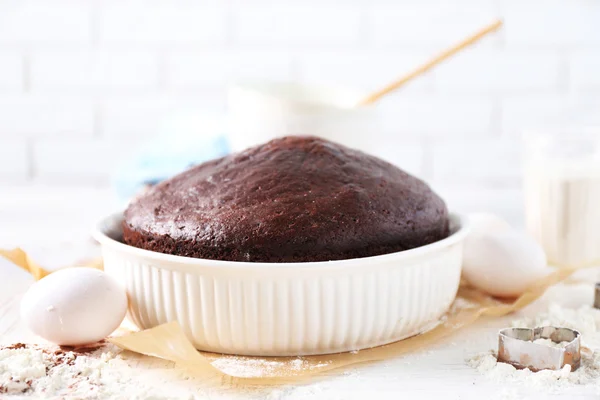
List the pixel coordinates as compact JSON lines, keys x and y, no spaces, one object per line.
{"x":431,"y":63}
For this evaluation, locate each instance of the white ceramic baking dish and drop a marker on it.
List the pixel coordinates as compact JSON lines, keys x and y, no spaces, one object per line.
{"x":281,"y":309}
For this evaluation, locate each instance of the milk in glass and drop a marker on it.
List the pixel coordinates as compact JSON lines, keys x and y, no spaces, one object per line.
{"x":562,"y":195}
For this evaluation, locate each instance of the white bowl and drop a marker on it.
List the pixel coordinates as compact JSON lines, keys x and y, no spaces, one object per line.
{"x":261,"y":111}
{"x":278,"y":309}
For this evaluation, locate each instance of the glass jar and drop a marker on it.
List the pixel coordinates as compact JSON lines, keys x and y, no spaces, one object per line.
{"x":562,"y":194}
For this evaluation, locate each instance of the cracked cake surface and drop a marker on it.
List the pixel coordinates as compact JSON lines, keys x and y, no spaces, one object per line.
{"x":293,"y":199}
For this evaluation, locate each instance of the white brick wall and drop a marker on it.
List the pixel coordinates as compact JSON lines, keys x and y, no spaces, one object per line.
{"x":161,"y":24}
{"x":585,"y":71}
{"x":428,"y":23}
{"x":78,"y":160}
{"x":83,"y":81}
{"x":551,"y":23}
{"x":343,"y":67}
{"x":28,"y":115}
{"x":14,"y":166}
{"x":81,"y":71}
{"x":37,"y":23}
{"x":201,"y":69}
{"x":439,"y":116}
{"x":493,"y":161}
{"x":296,"y":24}
{"x":501,"y":71}
{"x":528,"y":112}
{"x":143,"y":116}
{"x":11,"y":72}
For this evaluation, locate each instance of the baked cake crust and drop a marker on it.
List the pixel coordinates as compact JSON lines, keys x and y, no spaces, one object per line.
{"x":293,"y":199}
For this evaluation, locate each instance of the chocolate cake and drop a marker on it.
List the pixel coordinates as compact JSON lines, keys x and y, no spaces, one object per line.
{"x":292,"y":199}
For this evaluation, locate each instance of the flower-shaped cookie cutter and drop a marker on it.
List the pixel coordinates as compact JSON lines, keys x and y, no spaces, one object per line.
{"x":516,"y":346}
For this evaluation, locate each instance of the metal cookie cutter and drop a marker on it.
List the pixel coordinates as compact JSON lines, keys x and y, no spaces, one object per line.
{"x":597,"y":296}
{"x":516,"y":347}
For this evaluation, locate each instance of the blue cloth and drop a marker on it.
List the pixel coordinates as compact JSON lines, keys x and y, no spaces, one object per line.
{"x":163,"y":157}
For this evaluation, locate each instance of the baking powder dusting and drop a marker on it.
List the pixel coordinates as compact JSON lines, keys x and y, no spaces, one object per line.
{"x":585,"y":319}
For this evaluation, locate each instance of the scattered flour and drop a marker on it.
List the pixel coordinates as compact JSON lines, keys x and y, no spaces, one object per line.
{"x":585,"y":319}
{"x":460,"y":304}
{"x":246,"y":367}
{"x":32,"y":371}
{"x":255,"y":367}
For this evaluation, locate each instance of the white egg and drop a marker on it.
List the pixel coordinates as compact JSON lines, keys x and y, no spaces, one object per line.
{"x":74,"y":306}
{"x":486,"y":222}
{"x":504,"y":263}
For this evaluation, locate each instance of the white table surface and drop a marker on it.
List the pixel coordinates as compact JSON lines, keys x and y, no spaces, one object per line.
{"x":52,"y":224}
